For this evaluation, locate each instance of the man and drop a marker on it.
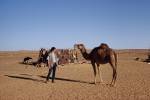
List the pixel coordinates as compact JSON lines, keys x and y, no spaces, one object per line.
{"x":52,"y":64}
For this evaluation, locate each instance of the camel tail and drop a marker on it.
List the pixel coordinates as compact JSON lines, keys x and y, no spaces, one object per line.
{"x":115,"y":59}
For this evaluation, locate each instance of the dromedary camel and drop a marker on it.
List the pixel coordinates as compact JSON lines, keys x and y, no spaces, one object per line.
{"x":101,"y":55}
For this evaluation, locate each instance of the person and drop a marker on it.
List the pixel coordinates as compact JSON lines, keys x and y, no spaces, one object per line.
{"x":52,"y":64}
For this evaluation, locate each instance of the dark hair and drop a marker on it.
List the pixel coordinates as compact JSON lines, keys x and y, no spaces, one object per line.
{"x":52,"y":49}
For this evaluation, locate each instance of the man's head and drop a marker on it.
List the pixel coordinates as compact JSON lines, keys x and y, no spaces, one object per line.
{"x":52,"y":49}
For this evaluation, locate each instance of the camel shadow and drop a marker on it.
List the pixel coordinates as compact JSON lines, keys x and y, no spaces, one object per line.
{"x":69,"y":80}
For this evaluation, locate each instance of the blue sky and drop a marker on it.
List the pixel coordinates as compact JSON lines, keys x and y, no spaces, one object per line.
{"x":32,"y":24}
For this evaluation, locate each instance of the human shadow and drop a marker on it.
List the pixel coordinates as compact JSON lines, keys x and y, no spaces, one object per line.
{"x":25,"y":78}
{"x":29,"y":77}
{"x":69,"y":80}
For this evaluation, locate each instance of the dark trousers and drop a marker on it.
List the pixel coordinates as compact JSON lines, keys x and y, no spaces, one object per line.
{"x":53,"y":71}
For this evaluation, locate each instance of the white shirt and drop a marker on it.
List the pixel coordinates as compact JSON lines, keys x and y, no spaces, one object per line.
{"x":52,"y":57}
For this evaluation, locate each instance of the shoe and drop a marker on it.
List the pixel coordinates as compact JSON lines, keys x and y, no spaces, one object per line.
{"x":53,"y":81}
{"x":46,"y":81}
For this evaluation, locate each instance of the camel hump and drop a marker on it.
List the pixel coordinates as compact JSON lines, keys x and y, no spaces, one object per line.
{"x":104,"y":46}
{"x":104,"y":50}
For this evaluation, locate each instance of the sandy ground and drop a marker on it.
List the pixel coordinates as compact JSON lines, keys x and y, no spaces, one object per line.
{"x":73,"y":81}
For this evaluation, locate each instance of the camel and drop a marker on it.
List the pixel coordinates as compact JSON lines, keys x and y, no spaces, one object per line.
{"x":101,"y":55}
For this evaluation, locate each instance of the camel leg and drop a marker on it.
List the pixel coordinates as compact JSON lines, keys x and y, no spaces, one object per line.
{"x":99,"y":73}
{"x":94,"y":69}
{"x":114,"y":74}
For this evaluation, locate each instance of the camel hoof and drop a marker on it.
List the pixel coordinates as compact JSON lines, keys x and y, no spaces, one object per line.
{"x":109,"y":85}
{"x":101,"y":83}
{"x":112,"y":85}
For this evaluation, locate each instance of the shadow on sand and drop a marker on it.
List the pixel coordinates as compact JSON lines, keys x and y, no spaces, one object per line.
{"x":31,"y":63}
{"x":29,"y":77}
{"x":24,"y":78}
{"x":68,"y":80}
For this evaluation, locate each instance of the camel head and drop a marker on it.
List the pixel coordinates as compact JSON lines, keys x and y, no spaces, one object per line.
{"x":80,"y":46}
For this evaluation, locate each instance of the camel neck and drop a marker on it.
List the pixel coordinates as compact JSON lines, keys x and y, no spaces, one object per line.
{"x":85,"y":54}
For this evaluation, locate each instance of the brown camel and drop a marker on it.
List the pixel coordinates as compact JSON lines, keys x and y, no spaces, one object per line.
{"x":101,"y":55}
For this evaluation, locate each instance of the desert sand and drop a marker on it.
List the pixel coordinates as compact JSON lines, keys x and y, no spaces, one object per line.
{"x":73,"y":81}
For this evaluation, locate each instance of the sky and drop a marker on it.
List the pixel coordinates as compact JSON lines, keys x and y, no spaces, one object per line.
{"x":35,"y":24}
